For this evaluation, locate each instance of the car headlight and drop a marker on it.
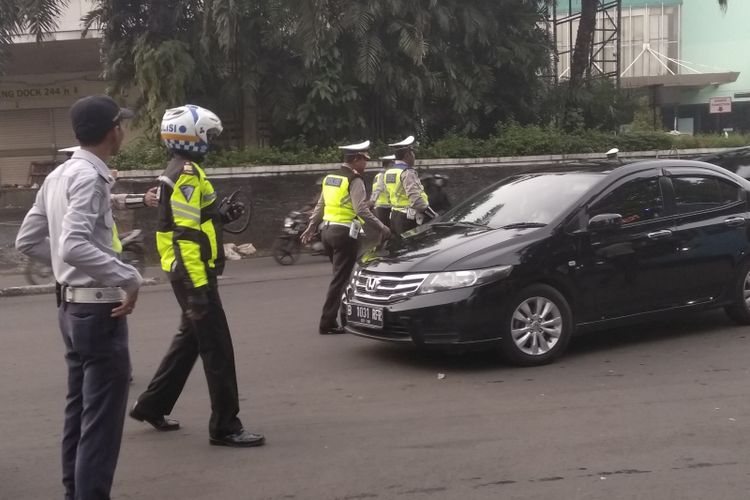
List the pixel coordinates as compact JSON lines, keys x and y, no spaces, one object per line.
{"x":438,"y":282}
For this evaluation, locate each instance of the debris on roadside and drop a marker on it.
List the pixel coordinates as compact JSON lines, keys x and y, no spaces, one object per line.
{"x":232,"y":251}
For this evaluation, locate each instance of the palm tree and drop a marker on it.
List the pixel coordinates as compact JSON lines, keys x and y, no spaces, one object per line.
{"x":37,"y":18}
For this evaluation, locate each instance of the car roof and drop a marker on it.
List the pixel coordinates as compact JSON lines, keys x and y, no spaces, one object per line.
{"x":624,"y":168}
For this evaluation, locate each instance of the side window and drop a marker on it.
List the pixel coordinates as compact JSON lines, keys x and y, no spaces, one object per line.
{"x":696,"y":193}
{"x":636,"y":201}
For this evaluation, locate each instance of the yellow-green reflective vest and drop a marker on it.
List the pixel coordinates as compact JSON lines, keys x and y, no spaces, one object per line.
{"x":188,"y":235}
{"x":338,"y":203}
{"x":116,"y":243}
{"x":396,"y":191}
{"x":384,"y":200}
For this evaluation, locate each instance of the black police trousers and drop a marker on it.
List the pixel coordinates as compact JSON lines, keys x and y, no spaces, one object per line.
{"x":210,"y":339}
{"x":342,"y":252}
{"x":400,"y":223}
{"x":96,"y":352}
{"x":383,"y":214}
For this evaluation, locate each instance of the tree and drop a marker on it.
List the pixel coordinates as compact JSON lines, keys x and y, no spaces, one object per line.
{"x":326,"y":70}
{"x":37,"y":18}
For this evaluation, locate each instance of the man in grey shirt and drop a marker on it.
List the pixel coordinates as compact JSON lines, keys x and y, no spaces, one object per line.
{"x":71,"y":227}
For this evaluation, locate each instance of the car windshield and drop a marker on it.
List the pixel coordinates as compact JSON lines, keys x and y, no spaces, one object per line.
{"x":523,"y":201}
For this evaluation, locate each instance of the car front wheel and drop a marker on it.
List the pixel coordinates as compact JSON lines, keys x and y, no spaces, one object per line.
{"x":739,"y":309}
{"x":537,"y":326}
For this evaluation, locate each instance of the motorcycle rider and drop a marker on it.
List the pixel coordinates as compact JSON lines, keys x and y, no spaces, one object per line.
{"x":379,"y":198}
{"x":409,"y":202}
{"x":189,"y":240}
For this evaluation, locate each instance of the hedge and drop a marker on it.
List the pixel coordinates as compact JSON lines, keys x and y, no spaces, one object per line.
{"x":513,"y":140}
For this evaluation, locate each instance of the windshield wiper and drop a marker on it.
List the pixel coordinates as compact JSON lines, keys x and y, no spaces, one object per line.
{"x":523,"y":225}
{"x":460,"y":223}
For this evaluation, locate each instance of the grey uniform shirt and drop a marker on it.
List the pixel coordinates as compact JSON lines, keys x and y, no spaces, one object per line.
{"x":358,"y":193}
{"x":413,"y":187}
{"x":70,"y":226}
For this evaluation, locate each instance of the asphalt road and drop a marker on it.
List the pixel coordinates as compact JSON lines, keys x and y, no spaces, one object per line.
{"x":652,"y":412}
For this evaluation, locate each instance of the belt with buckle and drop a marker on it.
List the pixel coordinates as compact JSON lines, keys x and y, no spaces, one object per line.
{"x":110,"y":295}
{"x":329,"y":223}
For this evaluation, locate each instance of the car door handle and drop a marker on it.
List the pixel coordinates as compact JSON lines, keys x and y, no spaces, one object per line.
{"x":659,"y":235}
{"x":735,"y":221}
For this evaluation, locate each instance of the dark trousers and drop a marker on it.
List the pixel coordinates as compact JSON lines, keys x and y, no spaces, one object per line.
{"x":342,"y":252}
{"x":96,"y":352}
{"x":400,"y":223}
{"x":210,"y":339}
{"x":383,"y":214}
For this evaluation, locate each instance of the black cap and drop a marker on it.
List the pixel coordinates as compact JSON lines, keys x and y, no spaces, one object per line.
{"x":93,"y":116}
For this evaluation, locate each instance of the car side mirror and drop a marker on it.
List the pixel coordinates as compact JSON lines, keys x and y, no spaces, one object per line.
{"x":605,"y":222}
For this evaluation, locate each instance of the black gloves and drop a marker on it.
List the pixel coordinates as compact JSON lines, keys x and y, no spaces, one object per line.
{"x":231,"y":210}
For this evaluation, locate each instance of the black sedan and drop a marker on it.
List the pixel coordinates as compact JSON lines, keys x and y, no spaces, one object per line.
{"x":531,"y":260}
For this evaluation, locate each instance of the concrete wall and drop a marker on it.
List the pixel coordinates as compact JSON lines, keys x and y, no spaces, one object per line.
{"x":274,"y":197}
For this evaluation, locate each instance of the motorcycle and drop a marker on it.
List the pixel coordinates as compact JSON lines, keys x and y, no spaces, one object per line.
{"x":287,"y":246}
{"x":38,"y":273}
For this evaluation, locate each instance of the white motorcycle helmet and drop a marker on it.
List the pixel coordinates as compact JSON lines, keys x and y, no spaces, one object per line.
{"x":189,"y":129}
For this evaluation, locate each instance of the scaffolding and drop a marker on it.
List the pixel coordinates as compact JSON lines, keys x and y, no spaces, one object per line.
{"x":604,"y":58}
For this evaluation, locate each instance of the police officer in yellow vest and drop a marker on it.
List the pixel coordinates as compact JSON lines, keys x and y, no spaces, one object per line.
{"x":343,"y":208}
{"x":189,"y":240}
{"x":409,"y":203}
{"x":380,"y":199}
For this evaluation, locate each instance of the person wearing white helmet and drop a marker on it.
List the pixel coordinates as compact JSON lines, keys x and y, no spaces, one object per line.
{"x":410,"y":206}
{"x":189,"y":240}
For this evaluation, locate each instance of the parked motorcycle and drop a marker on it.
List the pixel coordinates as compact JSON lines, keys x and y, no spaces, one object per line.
{"x":133,"y":253}
{"x":287,"y":246}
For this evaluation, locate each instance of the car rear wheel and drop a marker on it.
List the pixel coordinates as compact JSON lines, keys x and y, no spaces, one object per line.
{"x":537,"y":326}
{"x":739,"y":310}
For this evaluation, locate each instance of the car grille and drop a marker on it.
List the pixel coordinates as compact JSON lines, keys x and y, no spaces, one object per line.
{"x":384,"y":288}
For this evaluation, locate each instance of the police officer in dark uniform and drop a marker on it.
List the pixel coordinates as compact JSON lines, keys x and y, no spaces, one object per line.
{"x":410,"y":205}
{"x":190,"y":246}
{"x":343,"y":208}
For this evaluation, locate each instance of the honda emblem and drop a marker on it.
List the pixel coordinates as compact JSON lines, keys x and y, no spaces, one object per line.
{"x":372,"y":284}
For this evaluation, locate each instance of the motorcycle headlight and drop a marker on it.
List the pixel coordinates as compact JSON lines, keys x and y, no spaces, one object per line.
{"x":288,"y":222}
{"x":438,"y":282}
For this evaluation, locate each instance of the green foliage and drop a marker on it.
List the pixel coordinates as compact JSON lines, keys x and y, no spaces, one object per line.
{"x":327,"y":69}
{"x":36,"y":17}
{"x":510,"y":140}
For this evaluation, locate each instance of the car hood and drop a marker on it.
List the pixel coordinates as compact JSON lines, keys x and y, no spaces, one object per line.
{"x":450,"y":248}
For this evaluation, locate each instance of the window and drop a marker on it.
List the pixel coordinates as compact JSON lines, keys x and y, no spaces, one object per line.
{"x":636,"y":201}
{"x":695,"y":193}
{"x":535,"y":198}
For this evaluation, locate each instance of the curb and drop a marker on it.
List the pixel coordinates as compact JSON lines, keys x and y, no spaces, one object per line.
{"x":19,"y":291}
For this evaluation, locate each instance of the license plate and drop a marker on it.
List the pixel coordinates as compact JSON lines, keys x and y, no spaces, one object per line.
{"x":364,"y":315}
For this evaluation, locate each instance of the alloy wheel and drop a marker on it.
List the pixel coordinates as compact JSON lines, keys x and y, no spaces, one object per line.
{"x":537,"y":324}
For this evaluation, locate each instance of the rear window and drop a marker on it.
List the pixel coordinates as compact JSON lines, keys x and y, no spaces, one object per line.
{"x":695,"y":193}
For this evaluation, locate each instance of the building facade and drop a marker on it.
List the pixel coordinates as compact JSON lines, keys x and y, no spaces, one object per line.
{"x":688,"y":55}
{"x":39,"y":84}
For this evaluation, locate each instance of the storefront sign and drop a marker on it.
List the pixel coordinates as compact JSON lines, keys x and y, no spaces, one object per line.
{"x":720,"y":105}
{"x":38,"y":92}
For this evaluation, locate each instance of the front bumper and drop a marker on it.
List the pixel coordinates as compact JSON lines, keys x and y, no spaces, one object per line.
{"x":456,"y":317}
